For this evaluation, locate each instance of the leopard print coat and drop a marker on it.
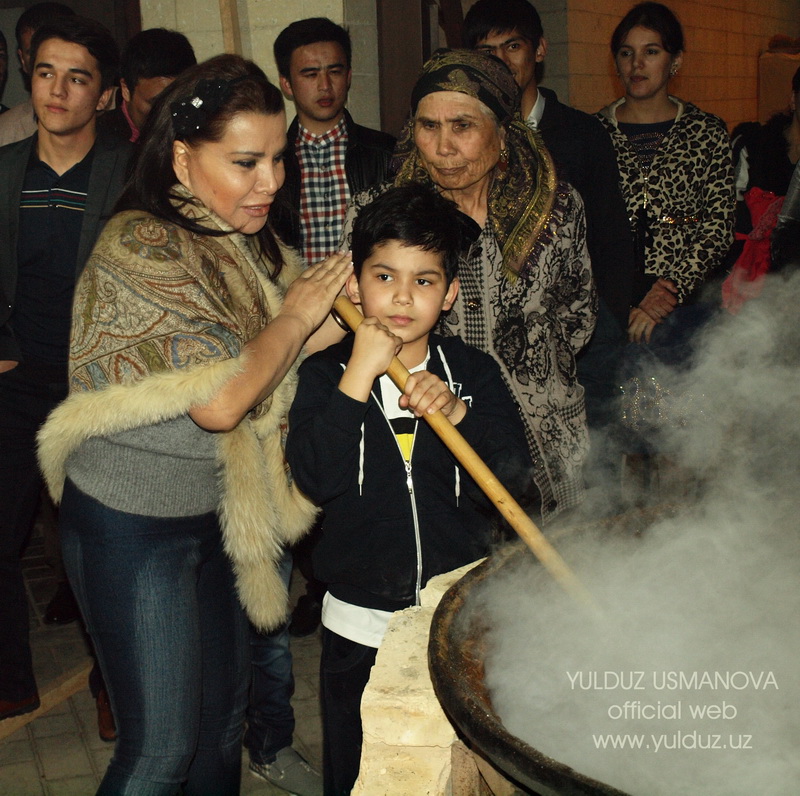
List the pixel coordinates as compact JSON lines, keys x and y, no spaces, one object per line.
{"x":689,"y":192}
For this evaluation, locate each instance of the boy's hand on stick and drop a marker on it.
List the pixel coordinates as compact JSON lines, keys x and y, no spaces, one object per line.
{"x":374,"y":348}
{"x":426,"y":393}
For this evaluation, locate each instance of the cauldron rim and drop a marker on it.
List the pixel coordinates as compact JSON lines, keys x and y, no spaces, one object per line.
{"x":449,"y":663}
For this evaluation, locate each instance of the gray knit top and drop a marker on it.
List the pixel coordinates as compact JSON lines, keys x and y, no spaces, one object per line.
{"x":169,"y":469}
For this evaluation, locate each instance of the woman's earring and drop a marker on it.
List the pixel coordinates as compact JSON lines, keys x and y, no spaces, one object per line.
{"x":673,"y":70}
{"x":502,"y":164}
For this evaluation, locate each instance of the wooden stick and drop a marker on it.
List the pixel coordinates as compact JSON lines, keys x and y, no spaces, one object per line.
{"x":231,"y":32}
{"x":482,"y":475}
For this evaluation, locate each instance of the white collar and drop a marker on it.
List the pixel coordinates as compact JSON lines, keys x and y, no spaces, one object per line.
{"x":537,"y":111}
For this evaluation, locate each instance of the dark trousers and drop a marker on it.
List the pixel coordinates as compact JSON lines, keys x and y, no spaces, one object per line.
{"x":270,"y":716}
{"x":344,"y":672}
{"x":159,"y":600}
{"x":24,"y":405}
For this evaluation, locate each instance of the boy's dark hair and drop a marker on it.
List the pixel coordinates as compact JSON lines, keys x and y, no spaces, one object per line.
{"x":414,"y":215}
{"x":654,"y":16}
{"x":156,"y":52}
{"x":89,"y":33}
{"x":37,"y":15}
{"x":489,"y":16}
{"x":151,"y":182}
{"x":308,"y":31}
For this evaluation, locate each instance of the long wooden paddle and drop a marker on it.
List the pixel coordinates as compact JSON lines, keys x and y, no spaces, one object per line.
{"x":482,"y":475}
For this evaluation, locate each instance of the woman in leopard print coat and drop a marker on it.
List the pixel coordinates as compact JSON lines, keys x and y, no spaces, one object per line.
{"x":676,"y":171}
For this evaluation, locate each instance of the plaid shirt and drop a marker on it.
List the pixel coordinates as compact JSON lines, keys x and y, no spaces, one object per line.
{"x":324,"y":193}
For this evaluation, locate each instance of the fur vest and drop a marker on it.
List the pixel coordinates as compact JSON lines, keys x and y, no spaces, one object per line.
{"x":159,"y":320}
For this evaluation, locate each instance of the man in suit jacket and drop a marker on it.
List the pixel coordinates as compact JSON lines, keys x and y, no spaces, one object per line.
{"x":60,"y":187}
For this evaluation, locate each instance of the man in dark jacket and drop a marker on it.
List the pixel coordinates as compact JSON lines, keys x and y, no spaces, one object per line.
{"x":330,"y":158}
{"x":60,"y":187}
{"x":512,"y":31}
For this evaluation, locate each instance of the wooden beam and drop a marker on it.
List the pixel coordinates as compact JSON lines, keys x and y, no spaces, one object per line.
{"x":61,"y":688}
{"x":231,"y":32}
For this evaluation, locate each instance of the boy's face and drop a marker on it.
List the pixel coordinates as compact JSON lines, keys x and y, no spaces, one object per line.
{"x":319,"y":80}
{"x":139,"y":99}
{"x":66,"y":88}
{"x":406,"y":289}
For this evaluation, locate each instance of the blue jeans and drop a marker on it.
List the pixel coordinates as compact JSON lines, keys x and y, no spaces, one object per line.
{"x":270,"y":717}
{"x":159,"y":601}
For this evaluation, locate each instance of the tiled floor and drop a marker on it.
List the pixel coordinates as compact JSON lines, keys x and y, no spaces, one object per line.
{"x":60,"y":753}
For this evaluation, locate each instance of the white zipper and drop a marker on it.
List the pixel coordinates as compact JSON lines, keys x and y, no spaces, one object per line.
{"x":417,"y":539}
{"x":411,"y":496}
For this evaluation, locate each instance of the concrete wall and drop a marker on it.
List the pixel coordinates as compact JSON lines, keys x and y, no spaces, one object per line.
{"x":262,"y":20}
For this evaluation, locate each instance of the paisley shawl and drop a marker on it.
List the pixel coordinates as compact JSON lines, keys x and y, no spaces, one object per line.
{"x":160,"y":318}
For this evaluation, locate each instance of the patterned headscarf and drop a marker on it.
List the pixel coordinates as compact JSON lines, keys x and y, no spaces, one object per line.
{"x":521,"y":195}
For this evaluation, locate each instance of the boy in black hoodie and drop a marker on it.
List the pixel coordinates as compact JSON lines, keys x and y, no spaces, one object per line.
{"x":398,"y":507}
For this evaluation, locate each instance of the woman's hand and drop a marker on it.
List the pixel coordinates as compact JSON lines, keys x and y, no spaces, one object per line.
{"x":426,"y":393}
{"x":271,"y":353}
{"x":311,"y":296}
{"x":660,"y":300}
{"x":7,"y":364}
{"x":657,"y":305}
{"x":640,"y":325}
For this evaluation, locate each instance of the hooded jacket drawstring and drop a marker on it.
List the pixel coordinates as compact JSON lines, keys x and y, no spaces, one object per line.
{"x":450,"y":384}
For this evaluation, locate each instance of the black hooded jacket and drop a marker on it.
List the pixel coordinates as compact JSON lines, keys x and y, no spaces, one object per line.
{"x":382,"y":539}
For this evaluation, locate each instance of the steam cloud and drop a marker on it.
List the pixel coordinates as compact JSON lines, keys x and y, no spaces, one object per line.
{"x":707,"y":601}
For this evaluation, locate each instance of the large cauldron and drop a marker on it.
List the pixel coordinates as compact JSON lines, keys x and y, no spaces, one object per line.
{"x":456,"y":658}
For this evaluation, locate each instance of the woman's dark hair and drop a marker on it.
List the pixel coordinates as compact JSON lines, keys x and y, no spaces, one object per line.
{"x":222,"y":88}
{"x":796,"y":81}
{"x":413,"y":215}
{"x":654,"y":16}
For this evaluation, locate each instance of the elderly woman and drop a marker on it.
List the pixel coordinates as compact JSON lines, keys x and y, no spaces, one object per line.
{"x":188,"y":320}
{"x":527,"y":296}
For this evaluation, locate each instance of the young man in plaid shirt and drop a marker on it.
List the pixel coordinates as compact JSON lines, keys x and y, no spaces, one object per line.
{"x":330,"y":157}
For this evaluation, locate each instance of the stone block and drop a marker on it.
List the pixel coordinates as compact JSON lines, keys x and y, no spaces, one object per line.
{"x":403,"y":771}
{"x":399,"y":706}
{"x":436,"y":587}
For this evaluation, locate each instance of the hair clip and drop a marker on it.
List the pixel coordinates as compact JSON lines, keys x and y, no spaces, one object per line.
{"x":191,"y":114}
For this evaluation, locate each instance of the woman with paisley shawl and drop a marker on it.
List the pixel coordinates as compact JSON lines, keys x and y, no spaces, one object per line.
{"x":187,"y":323}
{"x":527,"y":296}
